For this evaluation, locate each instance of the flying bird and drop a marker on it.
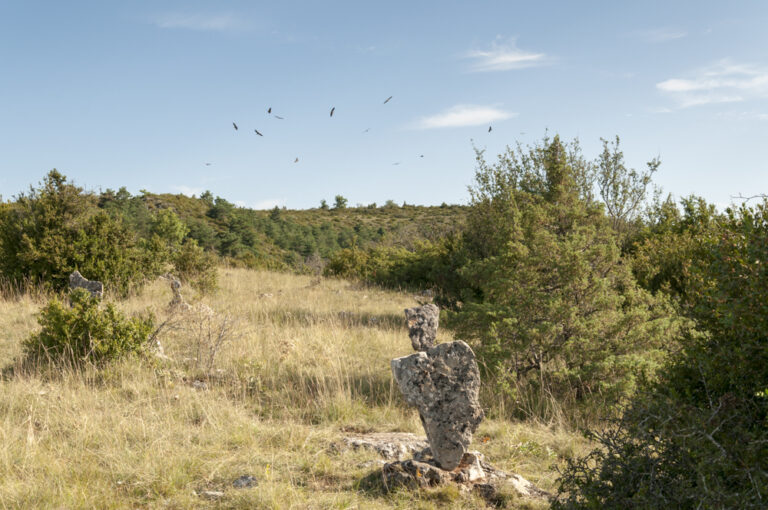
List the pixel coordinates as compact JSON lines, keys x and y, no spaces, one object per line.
{"x":278,"y":117}
{"x":490,"y":128}
{"x":396,"y":163}
{"x":269,"y":110}
{"x":207,"y":164}
{"x":235,"y":125}
{"x":366,"y":130}
{"x":333,"y":110}
{"x":257,"y":132}
{"x":296,"y":160}
{"x":421,"y":156}
{"x":387,"y":100}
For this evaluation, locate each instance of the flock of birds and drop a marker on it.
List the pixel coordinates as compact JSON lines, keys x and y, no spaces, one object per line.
{"x":333,"y":109}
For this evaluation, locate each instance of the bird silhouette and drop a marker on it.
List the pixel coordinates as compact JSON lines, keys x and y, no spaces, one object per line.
{"x":394,"y":164}
{"x":269,"y":110}
{"x":421,"y":156}
{"x":296,"y":160}
{"x":366,"y":130}
{"x":490,"y":128}
{"x":279,"y":117}
{"x":257,"y":132}
{"x":333,"y":110}
{"x":207,"y":164}
{"x":387,"y":100}
{"x":235,"y":125}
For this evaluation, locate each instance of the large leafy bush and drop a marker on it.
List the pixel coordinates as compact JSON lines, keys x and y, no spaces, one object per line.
{"x":56,"y":229}
{"x":552,"y":308}
{"x":698,"y":437}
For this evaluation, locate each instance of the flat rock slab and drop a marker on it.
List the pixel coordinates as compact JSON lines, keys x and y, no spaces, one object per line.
{"x":444,"y":384}
{"x":77,"y":281}
{"x":390,"y":445}
{"x":422,"y":326}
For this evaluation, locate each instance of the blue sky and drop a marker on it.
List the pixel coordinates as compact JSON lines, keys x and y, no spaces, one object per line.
{"x":143,"y":94}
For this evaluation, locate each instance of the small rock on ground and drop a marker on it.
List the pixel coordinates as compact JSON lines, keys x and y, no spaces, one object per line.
{"x":245,"y":481}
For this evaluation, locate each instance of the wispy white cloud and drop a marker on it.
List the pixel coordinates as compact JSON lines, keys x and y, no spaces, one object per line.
{"x":504,"y":56}
{"x":744,"y":115}
{"x":269,"y":203}
{"x":660,"y":34}
{"x":187,"y":190}
{"x":203,"y":22}
{"x":723,"y":82}
{"x":463,"y":115}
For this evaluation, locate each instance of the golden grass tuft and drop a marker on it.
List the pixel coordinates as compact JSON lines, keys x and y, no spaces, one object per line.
{"x":310,"y":361}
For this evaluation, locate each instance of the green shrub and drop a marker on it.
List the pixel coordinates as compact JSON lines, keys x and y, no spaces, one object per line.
{"x":195,"y":266}
{"x":698,"y":437}
{"x":86,"y":332}
{"x":550,"y":306}
{"x":57,"y":228}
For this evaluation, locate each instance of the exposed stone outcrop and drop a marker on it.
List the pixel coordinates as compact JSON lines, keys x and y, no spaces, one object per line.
{"x":472,"y":473}
{"x":390,"y":445}
{"x":422,"y":326}
{"x":76,"y":281}
{"x":444,"y":384}
{"x":424,"y":471}
{"x":178,"y":301}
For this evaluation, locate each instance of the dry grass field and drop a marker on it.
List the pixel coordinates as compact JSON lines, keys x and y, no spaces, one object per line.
{"x":303,"y":362}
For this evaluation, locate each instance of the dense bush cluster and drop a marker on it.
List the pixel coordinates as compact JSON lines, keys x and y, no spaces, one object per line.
{"x":285,"y":239}
{"x":58,"y":228}
{"x":697,"y":437}
{"x":84,"y":332}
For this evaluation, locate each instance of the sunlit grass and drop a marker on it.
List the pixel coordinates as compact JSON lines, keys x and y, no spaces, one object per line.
{"x":311,"y":359}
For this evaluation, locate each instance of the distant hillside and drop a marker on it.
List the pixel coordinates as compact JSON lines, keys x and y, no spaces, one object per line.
{"x":283,"y":238}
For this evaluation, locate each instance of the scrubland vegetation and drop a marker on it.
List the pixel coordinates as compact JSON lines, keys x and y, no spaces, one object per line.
{"x":621,"y":338}
{"x":142,"y":432}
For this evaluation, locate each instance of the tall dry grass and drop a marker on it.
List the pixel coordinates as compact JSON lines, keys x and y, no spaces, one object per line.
{"x":308,"y":361}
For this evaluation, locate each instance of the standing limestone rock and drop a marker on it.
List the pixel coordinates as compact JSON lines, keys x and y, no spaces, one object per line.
{"x":444,"y":385}
{"x":76,"y":281}
{"x":422,"y":326}
{"x":178,"y":302}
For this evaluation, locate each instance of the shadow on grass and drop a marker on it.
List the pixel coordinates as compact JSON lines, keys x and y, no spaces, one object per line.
{"x":303,"y":317}
{"x":371,"y":485}
{"x":316,"y":397}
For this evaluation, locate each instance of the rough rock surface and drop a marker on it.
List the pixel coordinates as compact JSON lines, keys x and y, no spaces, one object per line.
{"x":245,"y":482}
{"x":472,"y":473}
{"x":444,"y":384}
{"x":422,"y":326}
{"x":178,"y":301}
{"x":390,"y":445}
{"x":76,"y":281}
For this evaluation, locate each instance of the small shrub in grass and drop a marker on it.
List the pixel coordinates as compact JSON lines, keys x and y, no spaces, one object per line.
{"x":86,"y":332}
{"x":196,"y":266}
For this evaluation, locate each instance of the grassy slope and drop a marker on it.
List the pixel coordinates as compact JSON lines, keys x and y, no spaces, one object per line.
{"x":402,"y":226}
{"x":137,"y":435}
